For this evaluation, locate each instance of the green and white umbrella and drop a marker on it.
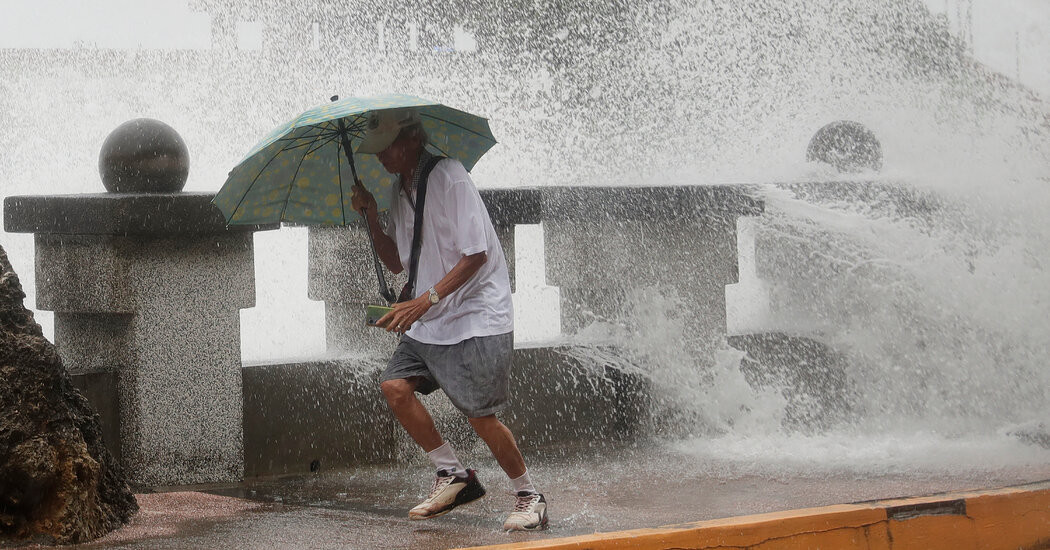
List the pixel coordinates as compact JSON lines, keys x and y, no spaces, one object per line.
{"x":303,"y":172}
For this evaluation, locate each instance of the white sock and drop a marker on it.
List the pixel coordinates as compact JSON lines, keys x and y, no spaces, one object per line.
{"x":523,"y":483}
{"x":444,"y":458}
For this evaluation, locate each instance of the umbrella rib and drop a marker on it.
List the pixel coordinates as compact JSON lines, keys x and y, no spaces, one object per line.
{"x":339,"y":175}
{"x":356,"y":126}
{"x":284,"y":207}
{"x":295,"y":138}
{"x":254,"y":180}
{"x":358,"y":123}
{"x":324,"y":129}
{"x":440,"y":150}
{"x":446,"y":121}
{"x":321,"y":134}
{"x":304,"y":139}
{"x":326,"y":142}
{"x":304,"y":144}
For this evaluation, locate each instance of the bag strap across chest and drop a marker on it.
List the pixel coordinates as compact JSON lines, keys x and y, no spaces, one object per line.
{"x":409,"y":291}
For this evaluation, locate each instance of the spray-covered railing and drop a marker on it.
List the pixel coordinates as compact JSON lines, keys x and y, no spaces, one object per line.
{"x":601,"y":245}
{"x":146,"y":289}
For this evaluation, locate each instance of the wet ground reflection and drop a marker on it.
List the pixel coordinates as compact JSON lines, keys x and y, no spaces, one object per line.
{"x":589,"y":490}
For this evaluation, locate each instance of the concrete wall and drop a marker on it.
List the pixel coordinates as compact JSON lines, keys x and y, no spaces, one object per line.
{"x":604,"y":244}
{"x":331,"y":414}
{"x":147,"y":291}
{"x":327,"y":414}
{"x":148,"y":288}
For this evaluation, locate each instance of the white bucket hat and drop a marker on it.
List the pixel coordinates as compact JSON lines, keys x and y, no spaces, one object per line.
{"x":383,"y":128}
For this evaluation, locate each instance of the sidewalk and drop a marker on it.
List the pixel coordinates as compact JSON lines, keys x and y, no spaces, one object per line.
{"x":367,"y":508}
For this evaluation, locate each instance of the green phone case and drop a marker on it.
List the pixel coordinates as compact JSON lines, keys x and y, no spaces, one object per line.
{"x":374,"y":313}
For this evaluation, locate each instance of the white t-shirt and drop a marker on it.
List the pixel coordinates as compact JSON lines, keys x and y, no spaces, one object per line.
{"x":455,"y":224}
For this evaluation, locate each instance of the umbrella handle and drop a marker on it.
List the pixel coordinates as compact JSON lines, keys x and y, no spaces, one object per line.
{"x":344,"y":137}
{"x":384,"y":289}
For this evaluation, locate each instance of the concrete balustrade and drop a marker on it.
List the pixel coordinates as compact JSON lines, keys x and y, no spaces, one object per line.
{"x":802,"y":274}
{"x":342,"y":275}
{"x":607,"y":248}
{"x":616,"y":251}
{"x":149,"y":287}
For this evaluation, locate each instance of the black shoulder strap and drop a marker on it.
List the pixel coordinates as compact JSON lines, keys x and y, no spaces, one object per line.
{"x":409,"y":291}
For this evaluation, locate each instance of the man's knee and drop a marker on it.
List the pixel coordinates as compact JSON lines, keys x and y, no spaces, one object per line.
{"x":397,"y":390}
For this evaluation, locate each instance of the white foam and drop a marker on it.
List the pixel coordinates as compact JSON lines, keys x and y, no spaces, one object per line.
{"x":869,"y":454}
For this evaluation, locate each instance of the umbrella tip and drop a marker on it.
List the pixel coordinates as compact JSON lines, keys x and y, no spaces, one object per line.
{"x":335,"y":98}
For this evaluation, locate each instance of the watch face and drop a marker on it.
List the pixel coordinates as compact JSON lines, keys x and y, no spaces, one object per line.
{"x":434,"y":297}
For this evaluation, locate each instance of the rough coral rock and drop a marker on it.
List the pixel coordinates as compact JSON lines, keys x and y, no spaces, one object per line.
{"x":58,"y":483}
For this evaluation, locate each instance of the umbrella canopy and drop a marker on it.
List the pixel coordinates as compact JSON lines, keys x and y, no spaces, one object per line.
{"x":301,"y":173}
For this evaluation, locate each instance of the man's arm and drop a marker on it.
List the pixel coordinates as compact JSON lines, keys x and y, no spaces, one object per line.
{"x":465,"y":268}
{"x":406,"y":313}
{"x":385,"y":246}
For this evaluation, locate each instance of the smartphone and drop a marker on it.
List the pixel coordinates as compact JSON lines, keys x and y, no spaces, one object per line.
{"x":374,"y":313}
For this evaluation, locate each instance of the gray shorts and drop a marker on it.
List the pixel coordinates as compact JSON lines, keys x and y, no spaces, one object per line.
{"x":474,"y":374}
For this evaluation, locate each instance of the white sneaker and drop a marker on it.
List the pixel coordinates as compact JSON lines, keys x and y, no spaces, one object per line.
{"x":448,"y":492}
{"x":530,"y":513}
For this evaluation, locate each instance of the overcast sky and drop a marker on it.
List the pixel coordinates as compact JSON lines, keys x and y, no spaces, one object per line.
{"x":103,"y":23}
{"x":1011,"y":36}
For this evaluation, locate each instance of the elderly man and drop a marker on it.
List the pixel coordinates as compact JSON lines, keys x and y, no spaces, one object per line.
{"x":457,"y":333}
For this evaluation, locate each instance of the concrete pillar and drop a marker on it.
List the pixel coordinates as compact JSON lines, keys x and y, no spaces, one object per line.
{"x":801,"y":274}
{"x":149,"y":286}
{"x":628,"y":256}
{"x":342,"y":275}
{"x":342,"y":272}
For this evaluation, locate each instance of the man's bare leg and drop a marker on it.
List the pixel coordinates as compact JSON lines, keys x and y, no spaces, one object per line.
{"x":530,"y":508}
{"x":501,"y":443}
{"x":413,"y":416}
{"x":454,"y":485}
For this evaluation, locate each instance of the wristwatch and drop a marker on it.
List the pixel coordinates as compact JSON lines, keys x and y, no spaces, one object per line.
{"x":434,"y":298}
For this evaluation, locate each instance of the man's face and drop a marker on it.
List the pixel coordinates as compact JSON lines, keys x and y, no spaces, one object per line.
{"x":401,"y":156}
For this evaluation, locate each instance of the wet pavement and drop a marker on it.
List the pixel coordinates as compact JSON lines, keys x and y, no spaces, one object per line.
{"x":589,"y":492}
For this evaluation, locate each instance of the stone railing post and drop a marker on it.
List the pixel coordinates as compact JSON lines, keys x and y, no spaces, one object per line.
{"x":342,"y":275}
{"x":149,"y":286}
{"x":615,"y":251}
{"x":341,"y":271}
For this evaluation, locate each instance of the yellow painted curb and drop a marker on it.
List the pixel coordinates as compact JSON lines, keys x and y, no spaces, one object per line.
{"x":1012,"y":517}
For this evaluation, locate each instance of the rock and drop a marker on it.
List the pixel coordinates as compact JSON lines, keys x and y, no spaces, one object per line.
{"x":58,"y":483}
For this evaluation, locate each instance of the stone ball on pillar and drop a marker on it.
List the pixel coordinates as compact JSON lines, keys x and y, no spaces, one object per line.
{"x":144,"y":156}
{"x":847,"y":145}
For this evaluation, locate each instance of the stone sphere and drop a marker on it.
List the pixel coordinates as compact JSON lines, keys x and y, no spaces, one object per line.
{"x":144,"y":156}
{"x":847,"y":145}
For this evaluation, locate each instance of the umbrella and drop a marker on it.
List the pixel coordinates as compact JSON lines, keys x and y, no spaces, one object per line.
{"x":303,"y":172}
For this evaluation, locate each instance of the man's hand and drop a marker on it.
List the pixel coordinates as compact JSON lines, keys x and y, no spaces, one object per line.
{"x":362,"y":199}
{"x":404,"y":314}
